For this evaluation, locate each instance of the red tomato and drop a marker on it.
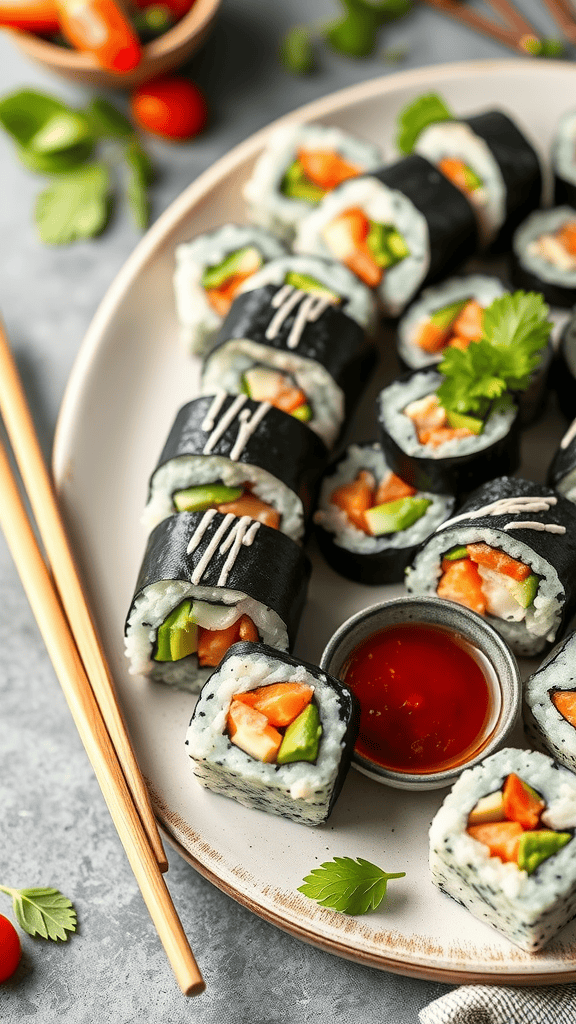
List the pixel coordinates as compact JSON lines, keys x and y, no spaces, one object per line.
{"x":171,"y":107}
{"x":10,"y":950}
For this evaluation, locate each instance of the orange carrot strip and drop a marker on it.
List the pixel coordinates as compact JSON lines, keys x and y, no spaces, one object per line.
{"x":496,"y":835}
{"x":391,"y":489}
{"x":356,"y":498}
{"x":468,"y":323}
{"x":567,"y":237}
{"x":325,"y":168}
{"x":565,"y":702}
{"x":461,"y":582}
{"x":520,"y":803}
{"x":499,"y":561}
{"x":250,"y":505}
{"x":280,"y":702}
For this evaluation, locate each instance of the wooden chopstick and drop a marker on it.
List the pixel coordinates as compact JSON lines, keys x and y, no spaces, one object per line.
{"x":516,"y":37}
{"x":86,"y":713}
{"x":20,"y":428}
{"x":563,"y":14}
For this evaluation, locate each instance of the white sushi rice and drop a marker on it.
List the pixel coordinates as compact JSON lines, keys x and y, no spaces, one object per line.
{"x":263,"y":191}
{"x":394,"y":399}
{"x":564,"y":148}
{"x":346,"y":535}
{"x":458,"y":141}
{"x":527,"y":909}
{"x":543,"y":616}
{"x":214,"y":607}
{"x":545,"y":726}
{"x":199,"y":470}
{"x":383,"y":206}
{"x":360,"y":303}
{"x":301,"y":790}
{"x":524,"y":243}
{"x":227,"y":364}
{"x":199,"y":322}
{"x":567,"y":485}
{"x":475,"y":286}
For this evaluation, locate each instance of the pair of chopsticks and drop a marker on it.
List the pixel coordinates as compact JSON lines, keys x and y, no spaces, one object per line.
{"x":59,"y":605}
{"x":514,"y":30}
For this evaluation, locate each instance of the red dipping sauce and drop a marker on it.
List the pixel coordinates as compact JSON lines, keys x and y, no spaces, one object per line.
{"x":425,"y":699}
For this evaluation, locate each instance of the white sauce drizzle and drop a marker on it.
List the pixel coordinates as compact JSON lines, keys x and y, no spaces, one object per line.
{"x":247,"y":425}
{"x":210,"y":550}
{"x":529,"y":524}
{"x":310,"y":310}
{"x":569,"y":435}
{"x":287,"y":299}
{"x":224,"y":423}
{"x":217,"y":403}
{"x":282,"y":295}
{"x":282,"y":313}
{"x":200,"y":530}
{"x":505,"y":506}
{"x":243,"y":531}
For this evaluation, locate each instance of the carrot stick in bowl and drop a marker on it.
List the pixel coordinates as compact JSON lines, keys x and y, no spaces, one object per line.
{"x":100,"y":28}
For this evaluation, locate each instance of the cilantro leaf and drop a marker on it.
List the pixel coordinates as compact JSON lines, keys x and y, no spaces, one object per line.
{"x":351,"y":886}
{"x":140,"y":174}
{"x":413,"y":119}
{"x":108,"y":122}
{"x":40,"y":123}
{"x":297,"y":51}
{"x":44,"y":912}
{"x":75,"y":205}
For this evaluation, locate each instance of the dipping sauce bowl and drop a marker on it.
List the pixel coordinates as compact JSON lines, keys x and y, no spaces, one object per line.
{"x":439,"y":689}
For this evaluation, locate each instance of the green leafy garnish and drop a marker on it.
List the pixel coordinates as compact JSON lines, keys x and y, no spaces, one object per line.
{"x":107,"y":122}
{"x":42,"y":123}
{"x":55,"y":163}
{"x":297,"y":50}
{"x":515,"y":330}
{"x":75,"y":205}
{"x":44,"y":912}
{"x":356,"y":34}
{"x":413,"y":119}
{"x":352,"y":886}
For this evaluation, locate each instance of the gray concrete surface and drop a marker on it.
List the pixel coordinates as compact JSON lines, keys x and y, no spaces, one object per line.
{"x":54,"y":826}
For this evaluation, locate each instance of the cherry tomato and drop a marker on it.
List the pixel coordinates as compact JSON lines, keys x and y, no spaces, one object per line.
{"x":10,"y":950}
{"x":171,"y":107}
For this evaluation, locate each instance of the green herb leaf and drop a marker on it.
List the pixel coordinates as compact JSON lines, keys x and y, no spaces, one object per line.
{"x":55,"y":163}
{"x":352,"y":886}
{"x":40,"y":123}
{"x":140,"y":174}
{"x":44,"y":912}
{"x":355,"y":35}
{"x":297,"y":51}
{"x":75,"y":205}
{"x":414,"y":118}
{"x":108,"y":122}
{"x":385,"y":10}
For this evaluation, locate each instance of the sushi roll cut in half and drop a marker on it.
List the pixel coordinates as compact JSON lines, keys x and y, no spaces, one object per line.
{"x":502,"y":845}
{"x":299,"y":165}
{"x":369,"y":521}
{"x":509,"y":554}
{"x":564,"y":160}
{"x":486,"y":156}
{"x":273,"y":733}
{"x":236,"y":455}
{"x":396,"y":229}
{"x":295,"y":350}
{"x":326,"y":278}
{"x":544,"y":255}
{"x":210,"y":270}
{"x":208,"y":580}
{"x":550,"y":704}
{"x":436,"y":450}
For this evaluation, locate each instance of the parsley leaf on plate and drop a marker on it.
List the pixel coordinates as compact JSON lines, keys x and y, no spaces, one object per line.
{"x":75,"y":205}
{"x":351,"y":886}
{"x":44,"y":912}
{"x":413,"y":119}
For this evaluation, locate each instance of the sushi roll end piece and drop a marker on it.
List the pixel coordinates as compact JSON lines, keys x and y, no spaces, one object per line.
{"x":544,"y":255}
{"x":550,"y":704}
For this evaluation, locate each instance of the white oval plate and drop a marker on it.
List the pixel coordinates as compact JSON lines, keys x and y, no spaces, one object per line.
{"x":127,"y":384}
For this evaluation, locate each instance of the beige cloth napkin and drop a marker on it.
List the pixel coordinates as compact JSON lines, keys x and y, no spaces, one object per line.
{"x":485,"y":1004}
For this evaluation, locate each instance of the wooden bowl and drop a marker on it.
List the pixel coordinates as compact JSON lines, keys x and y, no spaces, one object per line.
{"x":159,"y":57}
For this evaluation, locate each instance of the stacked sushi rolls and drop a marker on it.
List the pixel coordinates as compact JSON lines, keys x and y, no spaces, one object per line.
{"x":208,"y":580}
{"x":544,"y":255}
{"x":369,"y":523}
{"x":396,"y":229}
{"x":210,"y":269}
{"x":564,"y":160}
{"x":502,"y":844}
{"x":245,"y":743}
{"x":299,"y":165}
{"x":295,"y":350}
{"x":550,"y":704}
{"x":236,"y":455}
{"x":509,"y":554}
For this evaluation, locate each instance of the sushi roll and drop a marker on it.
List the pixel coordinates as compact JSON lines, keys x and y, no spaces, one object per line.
{"x":273,"y":733}
{"x":550,"y":704}
{"x":299,"y":165}
{"x":434,"y":450}
{"x":509,"y":554}
{"x":396,"y":229}
{"x":544,"y":255}
{"x":210,"y":270}
{"x":564,"y":160}
{"x":236,"y":455}
{"x":502,"y":845}
{"x":321,"y":277}
{"x":562,"y":471}
{"x":208,"y":580}
{"x":563,"y":372}
{"x":295,"y":350}
{"x":369,"y":522}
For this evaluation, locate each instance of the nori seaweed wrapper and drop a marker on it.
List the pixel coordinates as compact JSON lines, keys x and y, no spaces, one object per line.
{"x":519,"y":166}
{"x":452,"y":225}
{"x":455,"y":474}
{"x":563,"y":373}
{"x":563,"y":463}
{"x":564,"y":192}
{"x":272,"y":570}
{"x":334,"y":340}
{"x":280,"y":444}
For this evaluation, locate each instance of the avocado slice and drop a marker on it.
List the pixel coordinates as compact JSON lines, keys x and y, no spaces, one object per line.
{"x":397,"y":515}
{"x":471,"y":179}
{"x":295,"y":185}
{"x":535,"y":847}
{"x":306,"y":283}
{"x":177,"y":636}
{"x":444,"y":317}
{"x":302,"y":413}
{"x":458,"y":419}
{"x":198,"y":499}
{"x":302,"y":737}
{"x":386,"y":244}
{"x":397,"y":245}
{"x":455,"y":554}
{"x":524,"y":592}
{"x":244,"y":261}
